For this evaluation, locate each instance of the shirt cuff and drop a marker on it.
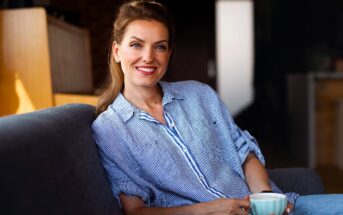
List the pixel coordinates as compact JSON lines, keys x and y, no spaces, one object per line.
{"x":246,"y":144}
{"x":292,"y":197}
{"x":130,"y":189}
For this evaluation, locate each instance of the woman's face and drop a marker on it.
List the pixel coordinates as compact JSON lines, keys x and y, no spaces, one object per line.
{"x":143,"y":53}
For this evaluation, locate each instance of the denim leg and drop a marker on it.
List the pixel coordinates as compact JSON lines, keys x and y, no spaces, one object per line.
{"x":328,"y":204}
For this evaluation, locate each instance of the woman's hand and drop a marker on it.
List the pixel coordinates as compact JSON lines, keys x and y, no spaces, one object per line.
{"x":288,"y":209}
{"x":135,"y":205}
{"x":224,"y":206}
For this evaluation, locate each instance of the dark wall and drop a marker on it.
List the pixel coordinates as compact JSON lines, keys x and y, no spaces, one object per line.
{"x":194,"y":40}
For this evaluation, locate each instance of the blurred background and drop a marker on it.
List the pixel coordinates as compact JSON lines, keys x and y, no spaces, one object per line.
{"x":292,"y":67}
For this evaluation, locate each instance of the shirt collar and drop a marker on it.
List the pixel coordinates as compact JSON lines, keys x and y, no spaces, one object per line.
{"x":126,"y":110}
{"x":169,"y":93}
{"x":123,"y":107}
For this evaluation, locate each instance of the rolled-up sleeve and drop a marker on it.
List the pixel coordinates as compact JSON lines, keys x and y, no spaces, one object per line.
{"x":121,"y":183}
{"x":245,"y":144}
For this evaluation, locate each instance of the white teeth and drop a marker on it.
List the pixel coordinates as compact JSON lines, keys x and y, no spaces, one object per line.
{"x":146,"y":69}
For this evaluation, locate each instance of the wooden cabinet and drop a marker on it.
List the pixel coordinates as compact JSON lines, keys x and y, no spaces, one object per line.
{"x":328,"y":94}
{"x":25,"y":78}
{"x":40,"y":56}
{"x":315,"y":102}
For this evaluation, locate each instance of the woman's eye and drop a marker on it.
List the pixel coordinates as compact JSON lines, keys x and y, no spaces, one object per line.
{"x":161,"y":47}
{"x":136,"y":45}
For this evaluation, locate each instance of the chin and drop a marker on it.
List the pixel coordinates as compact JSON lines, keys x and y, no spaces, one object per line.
{"x":147,"y":85}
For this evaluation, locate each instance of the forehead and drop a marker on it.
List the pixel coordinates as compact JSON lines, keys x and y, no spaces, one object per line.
{"x":146,"y":30}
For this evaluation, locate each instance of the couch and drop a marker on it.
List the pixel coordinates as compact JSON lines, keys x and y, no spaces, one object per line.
{"x":49,"y":165}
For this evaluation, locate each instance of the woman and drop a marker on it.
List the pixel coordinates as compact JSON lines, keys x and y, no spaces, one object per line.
{"x":170,"y":148}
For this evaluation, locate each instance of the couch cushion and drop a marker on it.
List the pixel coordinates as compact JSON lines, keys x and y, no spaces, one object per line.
{"x":304,"y":181}
{"x":49,"y":164}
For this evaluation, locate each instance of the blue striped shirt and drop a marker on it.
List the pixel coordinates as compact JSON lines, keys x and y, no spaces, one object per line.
{"x":196,"y":156}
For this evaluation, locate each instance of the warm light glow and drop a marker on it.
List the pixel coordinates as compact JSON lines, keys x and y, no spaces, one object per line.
{"x":25,"y":103}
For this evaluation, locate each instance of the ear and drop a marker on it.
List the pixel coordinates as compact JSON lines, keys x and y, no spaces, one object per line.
{"x":115,"y":51}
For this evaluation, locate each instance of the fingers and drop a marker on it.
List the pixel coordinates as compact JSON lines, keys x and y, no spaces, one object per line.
{"x":243,"y":211}
{"x":228,"y":206}
{"x":244,"y":205}
{"x":238,"y":206}
{"x":288,"y":209}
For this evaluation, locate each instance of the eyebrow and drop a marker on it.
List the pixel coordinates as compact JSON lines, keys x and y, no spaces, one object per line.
{"x":141,"y":40}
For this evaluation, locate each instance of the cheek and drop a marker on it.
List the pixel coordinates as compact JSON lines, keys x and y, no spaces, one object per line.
{"x":127,"y":63}
{"x":164,"y":59}
{"x":128,"y":56}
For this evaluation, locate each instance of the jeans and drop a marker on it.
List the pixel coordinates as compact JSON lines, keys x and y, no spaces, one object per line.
{"x":326,"y":204}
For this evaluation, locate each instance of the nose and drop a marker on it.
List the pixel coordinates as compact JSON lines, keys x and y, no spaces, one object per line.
{"x":148,"y":55}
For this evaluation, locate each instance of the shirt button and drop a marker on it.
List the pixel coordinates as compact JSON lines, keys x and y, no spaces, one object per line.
{"x":184,"y":150}
{"x":201,"y":178}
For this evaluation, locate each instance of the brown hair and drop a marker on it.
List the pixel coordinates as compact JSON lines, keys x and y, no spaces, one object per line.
{"x":128,"y":12}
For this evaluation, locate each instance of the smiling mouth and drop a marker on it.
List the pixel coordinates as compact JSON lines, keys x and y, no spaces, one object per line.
{"x":146,"y":70}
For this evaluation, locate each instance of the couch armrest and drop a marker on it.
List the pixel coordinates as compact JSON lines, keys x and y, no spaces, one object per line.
{"x":304,"y":181}
{"x":49,"y":164}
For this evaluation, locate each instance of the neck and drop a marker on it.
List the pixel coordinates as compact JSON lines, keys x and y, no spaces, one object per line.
{"x":144,"y":98}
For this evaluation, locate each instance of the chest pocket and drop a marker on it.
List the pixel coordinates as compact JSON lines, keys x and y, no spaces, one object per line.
{"x":203,"y":129}
{"x":207,"y":140}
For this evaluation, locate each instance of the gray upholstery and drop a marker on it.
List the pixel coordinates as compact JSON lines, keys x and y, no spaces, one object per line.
{"x":303,"y":181}
{"x":49,"y":165}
